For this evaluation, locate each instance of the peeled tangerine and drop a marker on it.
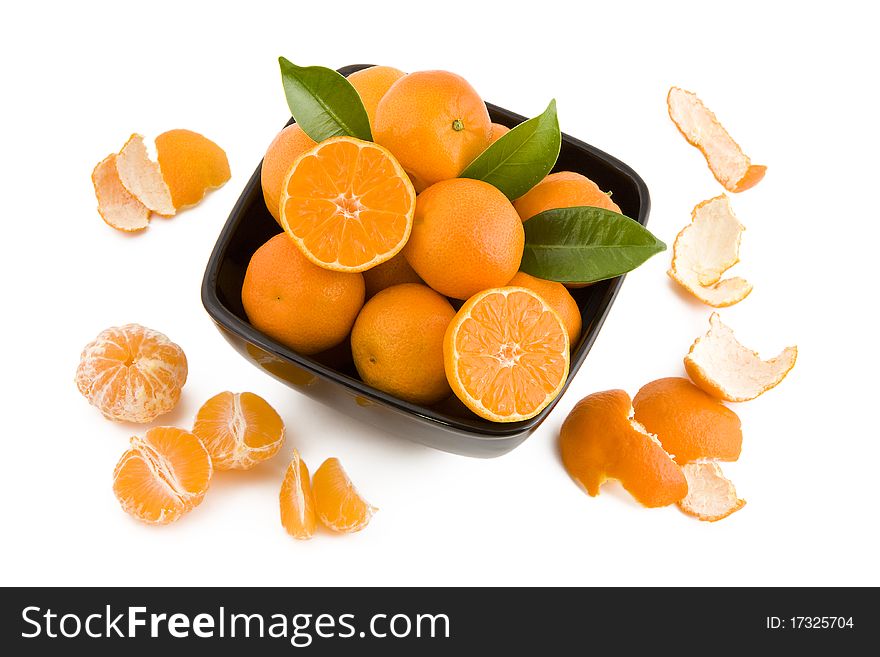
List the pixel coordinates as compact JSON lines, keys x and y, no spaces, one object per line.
{"x":296,"y":500}
{"x":132,"y":373}
{"x":239,"y":430}
{"x":599,"y":440}
{"x":163,"y":475}
{"x":705,"y":249}
{"x":698,"y":124}
{"x":711,"y":496}
{"x":338,"y":504}
{"x":724,"y":368}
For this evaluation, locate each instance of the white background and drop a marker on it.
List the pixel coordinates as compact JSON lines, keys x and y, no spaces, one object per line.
{"x":792,"y":83}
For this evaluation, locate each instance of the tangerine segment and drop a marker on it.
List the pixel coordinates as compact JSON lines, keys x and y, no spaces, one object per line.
{"x":348,"y":204}
{"x":143,"y":178}
{"x":239,"y":430}
{"x":506,"y":354}
{"x":296,"y":500}
{"x":191,"y":165}
{"x":711,"y":496}
{"x":698,"y":124}
{"x":724,"y":368}
{"x":117,"y":207}
{"x":132,"y":373}
{"x":690,"y":424}
{"x":705,"y":249}
{"x":599,"y":441}
{"x":163,"y":475}
{"x":338,"y":504}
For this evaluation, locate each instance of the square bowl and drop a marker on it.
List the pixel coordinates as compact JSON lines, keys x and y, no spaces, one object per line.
{"x":331,"y":378}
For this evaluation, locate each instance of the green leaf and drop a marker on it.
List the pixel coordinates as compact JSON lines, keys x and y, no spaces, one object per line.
{"x":522,"y":157}
{"x":585,"y":244}
{"x":323,"y":102}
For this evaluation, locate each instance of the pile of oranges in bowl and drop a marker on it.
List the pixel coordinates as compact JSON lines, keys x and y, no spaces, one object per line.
{"x":392,"y":241}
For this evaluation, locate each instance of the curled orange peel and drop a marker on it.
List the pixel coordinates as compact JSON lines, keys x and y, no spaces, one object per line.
{"x":724,"y":368}
{"x":705,"y":249}
{"x":730,"y":166}
{"x":142,"y":177}
{"x":711,"y":496}
{"x":690,"y":424}
{"x":117,"y":207}
{"x":599,"y":441}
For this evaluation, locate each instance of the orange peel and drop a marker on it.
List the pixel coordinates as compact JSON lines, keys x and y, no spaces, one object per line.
{"x":142,"y":177}
{"x":705,"y":249}
{"x":730,"y":166}
{"x":690,"y":424}
{"x":117,"y":207}
{"x":600,"y":440}
{"x":191,"y":165}
{"x":724,"y":368}
{"x":711,"y":496}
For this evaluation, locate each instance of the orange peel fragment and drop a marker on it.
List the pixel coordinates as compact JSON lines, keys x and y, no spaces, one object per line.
{"x":117,"y":207}
{"x":191,"y":164}
{"x":705,"y":249}
{"x":724,"y":368}
{"x":599,"y":440}
{"x":690,"y":424}
{"x":711,"y":496}
{"x":730,"y":166}
{"x":142,"y":177}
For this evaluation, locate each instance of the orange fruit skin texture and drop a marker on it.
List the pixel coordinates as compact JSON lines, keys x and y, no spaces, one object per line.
{"x":338,"y":505}
{"x":434,"y":123}
{"x":163,"y":475}
{"x":191,"y":164}
{"x":285,"y":148}
{"x":690,"y":424}
{"x":498,"y":131}
{"x":296,"y":500}
{"x":347,"y":204}
{"x":466,"y":238}
{"x":132,"y":373}
{"x":239,"y":430}
{"x":397,"y":343}
{"x":372,"y":84}
{"x":564,"y":189}
{"x":297,"y":303}
{"x":557,"y":297}
{"x":391,"y":272}
{"x":598,"y":442}
{"x":506,"y":354}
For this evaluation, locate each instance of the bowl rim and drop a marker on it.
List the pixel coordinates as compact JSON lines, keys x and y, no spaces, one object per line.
{"x":484,"y":429}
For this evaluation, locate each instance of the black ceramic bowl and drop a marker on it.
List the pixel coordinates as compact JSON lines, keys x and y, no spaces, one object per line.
{"x":331,"y":377}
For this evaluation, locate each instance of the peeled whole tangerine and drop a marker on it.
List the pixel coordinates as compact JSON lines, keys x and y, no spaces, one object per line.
{"x":724,"y":368}
{"x":725,"y":158}
{"x":705,"y":249}
{"x":599,"y":440}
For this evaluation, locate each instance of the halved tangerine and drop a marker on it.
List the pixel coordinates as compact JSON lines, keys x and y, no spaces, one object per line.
{"x":506,"y":354}
{"x":239,"y":430}
{"x":163,"y":475}
{"x":347,"y":204}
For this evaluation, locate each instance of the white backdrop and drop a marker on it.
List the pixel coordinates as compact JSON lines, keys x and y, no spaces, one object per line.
{"x":791,"y":82}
